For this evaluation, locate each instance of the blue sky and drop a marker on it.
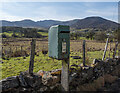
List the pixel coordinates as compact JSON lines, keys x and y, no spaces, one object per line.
{"x":15,"y":11}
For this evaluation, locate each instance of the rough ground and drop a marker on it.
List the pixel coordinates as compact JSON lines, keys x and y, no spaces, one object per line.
{"x":103,"y":76}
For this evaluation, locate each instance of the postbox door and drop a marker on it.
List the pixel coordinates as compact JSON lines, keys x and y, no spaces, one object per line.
{"x":64,"y":46}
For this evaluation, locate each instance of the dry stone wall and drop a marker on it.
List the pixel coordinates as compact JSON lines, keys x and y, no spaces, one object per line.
{"x":103,"y":76}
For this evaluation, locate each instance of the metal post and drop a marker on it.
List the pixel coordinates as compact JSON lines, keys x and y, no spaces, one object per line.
{"x":32,"y":55}
{"x":84,"y":53}
{"x":105,"y":49}
{"x":65,"y":75}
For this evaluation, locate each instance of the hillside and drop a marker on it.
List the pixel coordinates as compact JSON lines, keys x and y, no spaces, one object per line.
{"x":95,"y":22}
{"x":89,"y":22}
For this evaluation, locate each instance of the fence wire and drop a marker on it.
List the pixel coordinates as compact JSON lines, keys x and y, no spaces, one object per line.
{"x":16,"y":55}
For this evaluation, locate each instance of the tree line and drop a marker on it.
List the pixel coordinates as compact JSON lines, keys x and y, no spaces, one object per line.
{"x":97,"y":35}
{"x":22,"y":32}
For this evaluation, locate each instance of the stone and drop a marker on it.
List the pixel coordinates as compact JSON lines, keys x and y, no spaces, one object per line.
{"x":9,"y":83}
{"x":111,"y":61}
{"x":30,"y":80}
{"x":109,"y":78}
{"x":33,"y":81}
{"x":90,"y":73}
{"x":43,"y":89}
{"x":56,"y":88}
{"x":41,"y":72}
{"x":56,"y":79}
{"x":95,"y":61}
{"x":72,"y":76}
{"x":99,"y":82}
{"x":22,"y":80}
{"x":115,"y":87}
{"x":47,"y":81}
{"x":55,"y":72}
{"x":116,"y":72}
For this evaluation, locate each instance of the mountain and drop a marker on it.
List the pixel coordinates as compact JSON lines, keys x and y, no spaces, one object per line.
{"x":89,"y":22}
{"x":47,"y":23}
{"x":22,"y":23}
{"x":95,"y":22}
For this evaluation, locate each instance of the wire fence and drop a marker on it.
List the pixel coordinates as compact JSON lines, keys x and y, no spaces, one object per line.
{"x":16,"y":55}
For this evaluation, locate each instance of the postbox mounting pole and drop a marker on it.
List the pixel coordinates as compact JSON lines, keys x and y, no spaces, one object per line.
{"x":65,"y":75}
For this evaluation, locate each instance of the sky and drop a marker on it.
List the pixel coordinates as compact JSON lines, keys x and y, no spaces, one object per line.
{"x":63,"y":11}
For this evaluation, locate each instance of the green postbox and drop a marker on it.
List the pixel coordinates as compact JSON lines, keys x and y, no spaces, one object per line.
{"x":59,"y":42}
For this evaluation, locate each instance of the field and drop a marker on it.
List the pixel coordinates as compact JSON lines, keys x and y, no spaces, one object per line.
{"x":14,"y":64}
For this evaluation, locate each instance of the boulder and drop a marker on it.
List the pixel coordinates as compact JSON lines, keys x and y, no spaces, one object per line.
{"x":23,"y":83}
{"x":116,"y":72}
{"x":95,"y":61}
{"x":56,"y":72}
{"x":9,"y":83}
{"x":41,"y":72}
{"x":109,"y":78}
{"x":27,"y":80}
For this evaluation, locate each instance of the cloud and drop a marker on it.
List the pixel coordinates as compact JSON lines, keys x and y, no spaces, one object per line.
{"x":56,"y":11}
{"x":95,"y":12}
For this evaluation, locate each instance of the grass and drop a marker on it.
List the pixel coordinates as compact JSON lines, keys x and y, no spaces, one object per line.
{"x":8,"y":33}
{"x":14,"y":66}
{"x":43,"y":33}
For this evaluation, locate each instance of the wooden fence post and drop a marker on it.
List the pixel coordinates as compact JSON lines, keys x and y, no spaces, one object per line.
{"x":2,"y":49}
{"x":10,"y":51}
{"x":118,"y":50}
{"x":16,"y":48}
{"x":105,"y":48}
{"x":110,"y":49}
{"x":114,"y":52}
{"x":32,"y":55}
{"x":84,"y":53}
{"x":21,"y":51}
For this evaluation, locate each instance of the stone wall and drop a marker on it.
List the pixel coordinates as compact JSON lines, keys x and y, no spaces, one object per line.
{"x":103,"y":76}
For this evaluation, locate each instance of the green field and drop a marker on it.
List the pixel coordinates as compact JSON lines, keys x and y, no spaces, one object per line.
{"x":14,"y":66}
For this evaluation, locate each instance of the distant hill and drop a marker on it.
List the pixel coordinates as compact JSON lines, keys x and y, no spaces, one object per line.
{"x":95,"y":22}
{"x":89,"y":22}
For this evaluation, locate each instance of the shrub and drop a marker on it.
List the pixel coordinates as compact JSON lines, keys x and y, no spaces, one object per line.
{"x":19,"y":53}
{"x":4,"y":36}
{"x":100,"y":36}
{"x":14,"y":35}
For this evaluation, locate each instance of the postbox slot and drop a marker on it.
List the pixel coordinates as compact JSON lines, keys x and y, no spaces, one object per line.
{"x":65,"y":32}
